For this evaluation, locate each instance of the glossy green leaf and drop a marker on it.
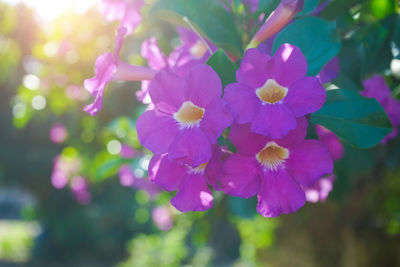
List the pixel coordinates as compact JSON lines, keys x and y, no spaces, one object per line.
{"x":208,"y":16}
{"x":358,"y":120}
{"x":223,"y":66}
{"x":316,"y":38}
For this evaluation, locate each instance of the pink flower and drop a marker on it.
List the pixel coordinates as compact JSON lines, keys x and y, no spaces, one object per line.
{"x":320,"y":190}
{"x":188,"y":116}
{"x":375,"y":87}
{"x":330,"y":71}
{"x":126,"y":11}
{"x":272,"y":92}
{"x":109,"y":67}
{"x":63,"y":169}
{"x":331,"y":141}
{"x":128,"y":178}
{"x":58,"y":133}
{"x":193,"y":51}
{"x":274,"y":169}
{"x":278,"y":19}
{"x":190,"y":183}
{"x":162,"y":217}
{"x":79,"y":188}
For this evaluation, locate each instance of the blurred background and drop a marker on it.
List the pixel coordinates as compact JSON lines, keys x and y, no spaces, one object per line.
{"x":73,"y":188}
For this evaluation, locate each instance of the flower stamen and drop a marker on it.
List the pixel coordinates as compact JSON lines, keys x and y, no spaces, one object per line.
{"x":272,"y":156}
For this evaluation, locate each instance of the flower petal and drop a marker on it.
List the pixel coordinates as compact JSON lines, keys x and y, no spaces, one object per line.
{"x":240,"y":176}
{"x":216,"y":119}
{"x":156,"y":131}
{"x":191,"y":146}
{"x":295,"y":136}
{"x":152,"y":52}
{"x":309,"y":161}
{"x":193,"y":195}
{"x":287,"y":65}
{"x":305,"y":96}
{"x":242,"y":102}
{"x":279,"y":194}
{"x":330,"y":71}
{"x":204,"y":85}
{"x":245,"y":141}
{"x":320,"y":190}
{"x":274,"y":121}
{"x":166,"y":173}
{"x":167,"y":91}
{"x":253,"y":68}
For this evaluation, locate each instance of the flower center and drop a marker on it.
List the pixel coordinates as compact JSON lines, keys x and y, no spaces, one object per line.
{"x":189,"y":114}
{"x":271,"y":92}
{"x":200,"y":168}
{"x":198,"y":49}
{"x":272,"y":156}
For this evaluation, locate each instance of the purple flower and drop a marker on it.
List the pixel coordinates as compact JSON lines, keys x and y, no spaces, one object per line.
{"x":109,"y":67}
{"x":126,"y":11}
{"x":193,"y":194}
{"x":272,"y":92}
{"x":58,"y":133}
{"x":320,"y":190}
{"x":375,"y":87}
{"x":193,"y":51}
{"x":275,"y":170}
{"x":188,"y":117}
{"x":331,"y":141}
{"x":330,"y":71}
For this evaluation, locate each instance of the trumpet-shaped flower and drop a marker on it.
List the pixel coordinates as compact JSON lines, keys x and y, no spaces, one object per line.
{"x":109,"y":67}
{"x":188,"y":116}
{"x":375,"y":87}
{"x":126,"y":11}
{"x":274,"y":169}
{"x":193,"y":193}
{"x":272,"y":92}
{"x":331,"y":141}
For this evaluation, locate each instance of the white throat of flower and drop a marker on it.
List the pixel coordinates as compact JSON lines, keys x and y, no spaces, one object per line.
{"x":271,"y":92}
{"x":272,"y":156}
{"x":189,"y":115}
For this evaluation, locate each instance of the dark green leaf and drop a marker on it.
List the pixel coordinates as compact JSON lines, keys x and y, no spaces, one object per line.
{"x":360,"y":121}
{"x":316,"y":38}
{"x":223,"y":66}
{"x":208,"y":16}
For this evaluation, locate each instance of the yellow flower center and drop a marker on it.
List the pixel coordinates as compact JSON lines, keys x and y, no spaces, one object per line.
{"x":271,"y":92}
{"x":272,"y":155}
{"x":189,"y":114}
{"x":198,"y":49}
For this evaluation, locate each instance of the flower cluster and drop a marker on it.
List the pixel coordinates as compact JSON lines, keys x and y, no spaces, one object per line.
{"x":263,"y":115}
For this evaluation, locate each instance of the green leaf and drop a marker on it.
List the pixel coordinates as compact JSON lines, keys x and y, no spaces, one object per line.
{"x":267,"y":6}
{"x":358,"y":120}
{"x":336,"y":8}
{"x":207,"y":16}
{"x":350,"y":60}
{"x":309,"y":6}
{"x":223,"y":66}
{"x":316,"y":38}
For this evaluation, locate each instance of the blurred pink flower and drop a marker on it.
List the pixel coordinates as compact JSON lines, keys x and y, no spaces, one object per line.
{"x":58,"y":133}
{"x":162,"y":218}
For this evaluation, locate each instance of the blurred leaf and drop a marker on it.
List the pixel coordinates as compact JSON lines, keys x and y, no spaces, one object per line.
{"x":106,"y":165}
{"x":223,"y":66}
{"x":350,"y":61}
{"x":335,"y":8}
{"x":377,"y":39}
{"x":356,"y":119}
{"x":316,"y":38}
{"x":383,"y":8}
{"x":208,"y":16}
{"x":309,"y":6}
{"x":267,"y":6}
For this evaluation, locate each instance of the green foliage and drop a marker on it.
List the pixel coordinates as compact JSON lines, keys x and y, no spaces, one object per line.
{"x":209,"y":17}
{"x":358,"y":120}
{"x":223,"y":66}
{"x":316,"y":38}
